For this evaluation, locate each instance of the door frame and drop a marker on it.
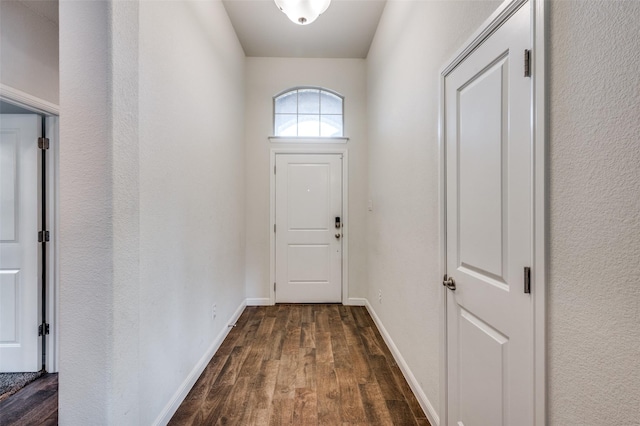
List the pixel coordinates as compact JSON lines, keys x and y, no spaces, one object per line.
{"x":539,"y":209}
{"x":345,"y":214}
{"x":50,"y":113}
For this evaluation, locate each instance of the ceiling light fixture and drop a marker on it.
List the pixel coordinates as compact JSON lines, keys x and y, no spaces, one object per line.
{"x":303,"y":12}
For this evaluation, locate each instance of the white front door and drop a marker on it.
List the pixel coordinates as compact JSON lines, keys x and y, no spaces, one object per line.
{"x":19,"y":243}
{"x":308,"y":228}
{"x":489,"y":231}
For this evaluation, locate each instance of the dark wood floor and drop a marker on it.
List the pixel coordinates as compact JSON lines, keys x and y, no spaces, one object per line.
{"x":35,"y":404}
{"x":302,"y":365}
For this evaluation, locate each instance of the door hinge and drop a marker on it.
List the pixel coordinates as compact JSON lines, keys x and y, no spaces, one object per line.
{"x":43,"y":143}
{"x":274,"y":227}
{"x":527,"y":63}
{"x":274,"y":287}
{"x":43,"y":329}
{"x":274,"y":169}
{"x":527,"y":280}
{"x":43,"y":236}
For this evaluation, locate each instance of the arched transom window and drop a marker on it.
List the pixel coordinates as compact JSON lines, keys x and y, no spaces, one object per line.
{"x":308,"y":112}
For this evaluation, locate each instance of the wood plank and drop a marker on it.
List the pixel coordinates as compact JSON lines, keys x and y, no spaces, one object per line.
{"x":211,"y":410}
{"x":281,"y":412}
{"x":351,"y":408}
{"x":371,"y":343}
{"x":341,"y":356}
{"x":385,"y":378}
{"x":231,"y":368}
{"x":306,"y":372}
{"x":291,"y":345}
{"x":275,"y":344}
{"x":236,"y":410}
{"x":305,"y":407}
{"x":266,"y":384}
{"x":413,"y":403}
{"x":308,"y":335}
{"x":400,"y":413}
{"x":324,"y":351}
{"x":375,"y":406}
{"x":287,"y":375}
{"x":328,"y":394}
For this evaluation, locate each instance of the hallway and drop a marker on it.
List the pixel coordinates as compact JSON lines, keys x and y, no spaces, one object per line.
{"x":302,"y":365}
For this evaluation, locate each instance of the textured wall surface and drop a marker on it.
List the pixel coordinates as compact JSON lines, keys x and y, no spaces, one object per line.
{"x":267,"y":77}
{"x":28,"y":51}
{"x":594,"y":279}
{"x":86,"y":229}
{"x":191,"y":189}
{"x":152,"y":201}
{"x":414,"y":40}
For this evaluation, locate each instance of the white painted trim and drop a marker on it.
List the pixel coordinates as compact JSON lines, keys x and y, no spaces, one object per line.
{"x":539,"y":279}
{"x":53,"y":215}
{"x":356,"y":301}
{"x":20,"y":98}
{"x":488,"y":27}
{"x":180,"y":394}
{"x":301,"y":139}
{"x":258,"y":301}
{"x":424,"y":402}
{"x":442,"y":237}
{"x":539,"y":138}
{"x":345,"y":213}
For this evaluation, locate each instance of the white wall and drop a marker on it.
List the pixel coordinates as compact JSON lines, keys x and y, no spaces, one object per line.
{"x":413,"y":41}
{"x":151,"y":201}
{"x":28,"y":51}
{"x":594,"y":297}
{"x":265,"y":78}
{"x":191,"y":188}
{"x":594,"y":269}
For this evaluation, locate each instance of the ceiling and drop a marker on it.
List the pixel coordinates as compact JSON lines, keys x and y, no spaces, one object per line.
{"x":345,"y":30}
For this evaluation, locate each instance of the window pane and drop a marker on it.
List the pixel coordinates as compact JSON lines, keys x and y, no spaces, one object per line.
{"x":308,"y":101}
{"x":287,"y":103}
{"x":330,"y":103}
{"x":286,"y":125}
{"x":331,"y":126}
{"x":308,"y":125}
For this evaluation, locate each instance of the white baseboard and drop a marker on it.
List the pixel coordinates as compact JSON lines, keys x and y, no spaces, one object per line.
{"x":356,"y":301}
{"x":258,"y":301}
{"x":426,"y":405}
{"x":173,"y":405}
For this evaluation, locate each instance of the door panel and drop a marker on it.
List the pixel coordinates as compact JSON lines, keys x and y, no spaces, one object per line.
{"x":308,"y":253}
{"x":19,"y":243}
{"x":488,"y":202}
{"x":481,"y":173}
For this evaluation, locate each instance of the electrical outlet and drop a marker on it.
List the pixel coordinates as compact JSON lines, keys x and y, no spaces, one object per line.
{"x":214,"y":311}
{"x":380,"y":296}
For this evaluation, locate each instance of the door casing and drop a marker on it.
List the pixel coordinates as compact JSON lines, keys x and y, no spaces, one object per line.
{"x":51,"y":116}
{"x":539,"y":231}
{"x":345,"y":214}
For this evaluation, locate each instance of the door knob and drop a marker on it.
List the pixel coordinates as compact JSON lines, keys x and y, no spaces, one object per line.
{"x":449,"y":282}
{"x":338,"y":236}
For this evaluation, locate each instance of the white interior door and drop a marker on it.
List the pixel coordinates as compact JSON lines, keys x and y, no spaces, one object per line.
{"x":489,"y":231}
{"x":308,"y":240}
{"x":19,"y":243}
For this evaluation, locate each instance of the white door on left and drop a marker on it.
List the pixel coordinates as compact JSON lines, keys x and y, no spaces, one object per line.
{"x":19,"y":243}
